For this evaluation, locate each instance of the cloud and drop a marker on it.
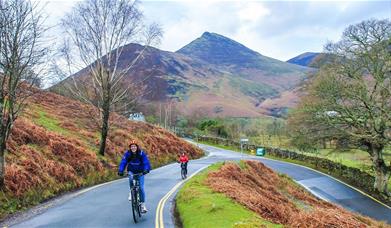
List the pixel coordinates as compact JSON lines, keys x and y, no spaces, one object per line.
{"x":185,"y":21}
{"x":279,"y":29}
{"x":251,"y":12}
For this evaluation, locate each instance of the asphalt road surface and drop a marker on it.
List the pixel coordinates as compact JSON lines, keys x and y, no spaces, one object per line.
{"x":107,"y":205}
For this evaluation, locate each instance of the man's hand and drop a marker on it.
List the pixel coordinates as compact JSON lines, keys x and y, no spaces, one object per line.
{"x":120,"y":174}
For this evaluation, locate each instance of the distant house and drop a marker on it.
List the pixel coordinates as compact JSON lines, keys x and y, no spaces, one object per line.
{"x":137,"y":116}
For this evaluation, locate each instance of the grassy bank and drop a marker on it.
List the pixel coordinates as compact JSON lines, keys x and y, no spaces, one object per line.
{"x":278,"y":199}
{"x":199,"y":206}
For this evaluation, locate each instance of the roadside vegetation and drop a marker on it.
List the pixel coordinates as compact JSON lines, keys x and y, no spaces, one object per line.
{"x":348,"y":101}
{"x":273,"y":197}
{"x":199,"y":206}
{"x":273,"y":133}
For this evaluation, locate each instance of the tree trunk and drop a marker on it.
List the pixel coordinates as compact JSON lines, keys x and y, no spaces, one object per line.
{"x":381,"y":182}
{"x":381,"y":170}
{"x":2,"y":160}
{"x":105,"y":128}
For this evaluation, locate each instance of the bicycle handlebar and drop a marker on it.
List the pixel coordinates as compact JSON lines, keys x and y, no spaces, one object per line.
{"x":135,"y":174}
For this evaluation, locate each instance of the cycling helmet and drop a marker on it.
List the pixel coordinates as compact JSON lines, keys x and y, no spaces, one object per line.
{"x":132,"y":142}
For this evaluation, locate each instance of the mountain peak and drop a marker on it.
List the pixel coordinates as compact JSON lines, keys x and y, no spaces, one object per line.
{"x":212,"y":35}
{"x":215,"y":37}
{"x":218,"y":49}
{"x":208,"y":34}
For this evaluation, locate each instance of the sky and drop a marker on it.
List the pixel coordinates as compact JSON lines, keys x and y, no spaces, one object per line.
{"x":278,"y":29}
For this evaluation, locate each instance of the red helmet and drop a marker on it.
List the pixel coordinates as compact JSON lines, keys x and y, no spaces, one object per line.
{"x":132,"y":142}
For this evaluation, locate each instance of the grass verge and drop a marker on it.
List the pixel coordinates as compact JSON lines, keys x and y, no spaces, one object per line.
{"x":199,"y":206}
{"x":277,"y":199}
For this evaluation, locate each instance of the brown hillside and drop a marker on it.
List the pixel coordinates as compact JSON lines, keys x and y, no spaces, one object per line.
{"x":53,"y":148}
{"x":287,"y":99}
{"x":278,"y":199}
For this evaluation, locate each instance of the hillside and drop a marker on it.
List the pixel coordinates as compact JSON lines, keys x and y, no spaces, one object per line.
{"x":279,"y":106}
{"x":165,"y":74}
{"x":53,"y":148}
{"x":278,"y":199}
{"x":304,"y":59}
{"x":213,"y":73}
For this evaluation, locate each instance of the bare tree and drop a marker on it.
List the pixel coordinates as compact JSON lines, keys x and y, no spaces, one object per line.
{"x":21,"y":55}
{"x":96,"y":32}
{"x":352,"y":96}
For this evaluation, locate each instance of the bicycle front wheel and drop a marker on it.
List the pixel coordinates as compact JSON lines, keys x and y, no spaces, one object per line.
{"x":135,"y":206}
{"x":139,"y":204}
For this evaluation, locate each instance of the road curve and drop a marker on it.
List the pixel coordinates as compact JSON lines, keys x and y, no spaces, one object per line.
{"x":107,"y":205}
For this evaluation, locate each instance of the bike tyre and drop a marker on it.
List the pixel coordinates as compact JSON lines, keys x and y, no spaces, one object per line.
{"x":139,"y":205}
{"x":135,"y":206}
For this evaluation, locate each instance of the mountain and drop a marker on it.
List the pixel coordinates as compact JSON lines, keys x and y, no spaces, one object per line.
{"x":312,"y":59}
{"x":219,"y":50}
{"x":230,"y":56}
{"x":213,"y":75}
{"x":164,"y":73}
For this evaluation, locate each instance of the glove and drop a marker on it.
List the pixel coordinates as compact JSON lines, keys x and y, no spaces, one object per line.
{"x":145,"y":172}
{"x":120,"y":174}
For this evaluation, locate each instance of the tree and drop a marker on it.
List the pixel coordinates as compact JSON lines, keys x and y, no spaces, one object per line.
{"x":352,"y":95}
{"x":21,"y":55}
{"x":234,"y":130}
{"x":306,"y":133}
{"x":95,"y":34}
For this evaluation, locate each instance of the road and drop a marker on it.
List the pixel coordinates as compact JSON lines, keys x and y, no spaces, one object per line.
{"x":107,"y":205}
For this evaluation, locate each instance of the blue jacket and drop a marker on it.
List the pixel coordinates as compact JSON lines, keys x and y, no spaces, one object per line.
{"x":137,"y":164}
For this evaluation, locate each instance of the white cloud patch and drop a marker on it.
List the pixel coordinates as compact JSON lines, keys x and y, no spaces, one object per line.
{"x":251,"y":12}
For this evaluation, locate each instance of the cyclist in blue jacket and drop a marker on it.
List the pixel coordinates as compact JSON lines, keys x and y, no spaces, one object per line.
{"x":136,"y":162}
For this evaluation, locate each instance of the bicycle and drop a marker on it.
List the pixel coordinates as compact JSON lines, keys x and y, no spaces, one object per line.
{"x":183,"y":170}
{"x":135,"y":192}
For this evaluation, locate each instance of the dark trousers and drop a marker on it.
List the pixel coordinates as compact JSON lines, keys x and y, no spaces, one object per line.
{"x":185,"y":165}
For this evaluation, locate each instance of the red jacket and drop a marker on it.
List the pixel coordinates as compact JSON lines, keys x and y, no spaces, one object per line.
{"x":183,"y":159}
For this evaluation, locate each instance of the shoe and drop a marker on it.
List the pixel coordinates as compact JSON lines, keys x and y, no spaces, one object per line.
{"x":143,"y":208}
{"x":130,"y":196}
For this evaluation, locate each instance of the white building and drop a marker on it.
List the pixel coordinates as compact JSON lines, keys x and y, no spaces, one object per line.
{"x":137,"y":116}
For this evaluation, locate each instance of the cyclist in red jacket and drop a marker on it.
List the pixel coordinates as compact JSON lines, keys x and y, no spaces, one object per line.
{"x":184,"y":159}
